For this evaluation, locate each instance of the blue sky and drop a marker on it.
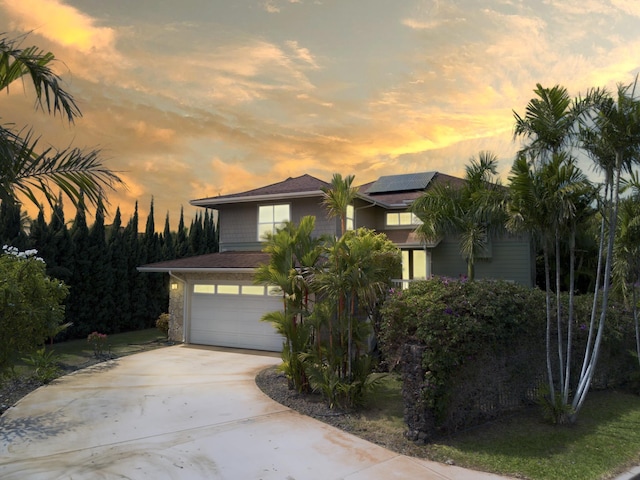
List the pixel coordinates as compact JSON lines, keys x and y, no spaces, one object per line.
{"x":203,"y":97}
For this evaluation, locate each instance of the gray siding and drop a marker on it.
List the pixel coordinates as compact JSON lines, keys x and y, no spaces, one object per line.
{"x":313,"y":206}
{"x":511,"y":260}
{"x":239,"y":222}
{"x":239,"y":227}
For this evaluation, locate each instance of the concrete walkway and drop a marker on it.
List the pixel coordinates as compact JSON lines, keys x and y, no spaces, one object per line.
{"x":186,"y":412}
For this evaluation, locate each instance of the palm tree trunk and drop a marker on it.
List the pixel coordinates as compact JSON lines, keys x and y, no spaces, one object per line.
{"x":635,"y":319}
{"x":572,"y":262}
{"x":559,"y":311}
{"x":581,"y":392}
{"x":596,"y":290}
{"x":547,"y":279}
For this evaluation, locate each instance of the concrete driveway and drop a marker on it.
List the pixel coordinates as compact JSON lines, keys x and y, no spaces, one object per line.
{"x":185,"y":412}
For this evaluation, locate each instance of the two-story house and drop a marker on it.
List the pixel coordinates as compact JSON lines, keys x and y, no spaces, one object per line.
{"x":213,"y":299}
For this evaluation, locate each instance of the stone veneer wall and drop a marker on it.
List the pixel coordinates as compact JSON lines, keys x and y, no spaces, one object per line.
{"x":176,"y":312}
{"x":178,"y":297}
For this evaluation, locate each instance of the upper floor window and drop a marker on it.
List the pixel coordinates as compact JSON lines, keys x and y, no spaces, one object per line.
{"x":350,"y":218}
{"x":271,"y":217}
{"x":401,"y":219}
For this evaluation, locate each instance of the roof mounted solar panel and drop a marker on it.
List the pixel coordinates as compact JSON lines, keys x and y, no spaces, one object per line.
{"x":401,"y":183}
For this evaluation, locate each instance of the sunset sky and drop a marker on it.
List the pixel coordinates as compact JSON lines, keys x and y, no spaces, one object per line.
{"x":195,"y":98}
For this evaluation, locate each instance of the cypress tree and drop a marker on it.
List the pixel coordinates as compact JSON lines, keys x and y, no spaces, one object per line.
{"x":100,"y":294}
{"x":11,"y":231}
{"x":60,"y":265}
{"x":182,"y":241}
{"x":40,"y":239}
{"x":137,"y":281}
{"x":157,"y":294}
{"x":168,"y":246}
{"x":119,"y":259}
{"x":196,"y":236}
{"x":80,"y":306}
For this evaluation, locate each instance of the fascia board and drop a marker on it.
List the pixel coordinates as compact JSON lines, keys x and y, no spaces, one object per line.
{"x":211,"y":202}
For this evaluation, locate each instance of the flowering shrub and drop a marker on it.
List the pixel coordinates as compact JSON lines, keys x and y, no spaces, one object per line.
{"x":461,"y":324}
{"x":99,"y":341}
{"x":31,"y":309}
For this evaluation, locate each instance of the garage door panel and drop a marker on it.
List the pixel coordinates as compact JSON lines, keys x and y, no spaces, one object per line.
{"x":234,"y":321}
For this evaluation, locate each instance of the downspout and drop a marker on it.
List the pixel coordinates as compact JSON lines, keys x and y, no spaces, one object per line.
{"x":355,"y":211}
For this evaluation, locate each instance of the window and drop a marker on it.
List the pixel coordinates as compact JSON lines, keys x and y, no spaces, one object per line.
{"x":208,"y":289}
{"x":401,"y":219}
{"x":252,"y":290}
{"x":414,"y":266}
{"x":271,"y":217}
{"x":228,"y":289}
{"x":350,"y":217}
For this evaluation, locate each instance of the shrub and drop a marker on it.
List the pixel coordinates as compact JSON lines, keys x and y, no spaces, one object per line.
{"x":162,"y":324}
{"x":98,"y":341}
{"x":474,"y":336}
{"x":44,"y":363}
{"x":31,"y":309}
{"x":482,"y":348}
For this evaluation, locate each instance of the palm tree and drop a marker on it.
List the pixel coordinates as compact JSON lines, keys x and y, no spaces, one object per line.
{"x":611,"y":136}
{"x":293,"y":256}
{"x":626,"y":262}
{"x":549,"y":122}
{"x":338,"y":198}
{"x":28,"y":170}
{"x":473,"y":211}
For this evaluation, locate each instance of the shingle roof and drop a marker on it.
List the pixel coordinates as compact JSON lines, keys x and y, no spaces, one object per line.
{"x":298,"y":185}
{"x":229,"y":259}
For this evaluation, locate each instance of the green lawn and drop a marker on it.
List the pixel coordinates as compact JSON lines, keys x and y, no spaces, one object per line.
{"x":603,"y":442}
{"x":76,"y":353}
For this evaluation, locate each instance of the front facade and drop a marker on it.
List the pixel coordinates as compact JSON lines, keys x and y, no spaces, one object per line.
{"x":214,"y":301}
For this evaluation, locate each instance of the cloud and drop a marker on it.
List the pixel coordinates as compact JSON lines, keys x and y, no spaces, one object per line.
{"x":60,"y":23}
{"x":270,"y":7}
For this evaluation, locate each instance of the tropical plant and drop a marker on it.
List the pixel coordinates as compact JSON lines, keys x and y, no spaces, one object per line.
{"x":355,"y":278}
{"x":551,"y":198}
{"x":26,"y":168}
{"x":294,"y":253}
{"x":339,"y":197}
{"x":472,"y":211}
{"x":610,"y":133}
{"x":44,"y":363}
{"x":626,"y":252}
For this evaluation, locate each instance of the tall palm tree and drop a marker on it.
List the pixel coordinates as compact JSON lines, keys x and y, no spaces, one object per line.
{"x":338,"y":198}
{"x":611,"y":136}
{"x":626,"y":262}
{"x":549,"y":122}
{"x":472,"y":211}
{"x":26,"y":168}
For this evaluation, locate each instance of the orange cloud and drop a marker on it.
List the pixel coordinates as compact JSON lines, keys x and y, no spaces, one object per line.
{"x":60,"y":23}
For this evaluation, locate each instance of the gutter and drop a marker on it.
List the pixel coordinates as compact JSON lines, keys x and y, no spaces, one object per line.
{"x":213,"y":201}
{"x":195,"y":270}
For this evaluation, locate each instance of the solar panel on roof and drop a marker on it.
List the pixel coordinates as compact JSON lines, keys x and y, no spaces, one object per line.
{"x":400,"y":183}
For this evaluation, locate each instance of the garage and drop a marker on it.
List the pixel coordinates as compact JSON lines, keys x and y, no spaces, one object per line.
{"x":228,"y":314}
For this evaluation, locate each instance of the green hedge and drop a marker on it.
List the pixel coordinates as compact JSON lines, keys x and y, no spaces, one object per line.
{"x":482,"y":347}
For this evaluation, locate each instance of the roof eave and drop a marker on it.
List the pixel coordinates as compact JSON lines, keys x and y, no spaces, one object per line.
{"x":213,"y":201}
{"x":195,"y":270}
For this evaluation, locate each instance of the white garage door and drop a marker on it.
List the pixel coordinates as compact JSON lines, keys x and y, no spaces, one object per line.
{"x":228,"y":315}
